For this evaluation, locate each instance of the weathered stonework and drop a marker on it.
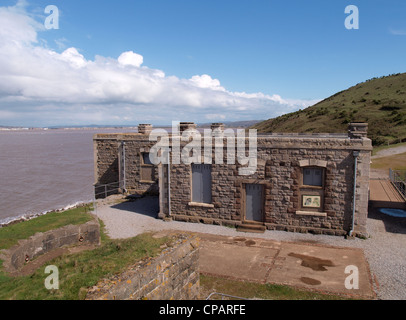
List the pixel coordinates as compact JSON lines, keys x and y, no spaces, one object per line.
{"x":281,"y":159}
{"x":173,"y":275}
{"x":41,"y":243}
{"x":109,"y":175}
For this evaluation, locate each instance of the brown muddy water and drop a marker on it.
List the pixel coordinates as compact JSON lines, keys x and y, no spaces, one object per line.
{"x":44,"y":170}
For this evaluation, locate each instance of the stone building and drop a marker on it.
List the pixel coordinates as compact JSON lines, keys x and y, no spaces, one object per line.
{"x":301,"y":183}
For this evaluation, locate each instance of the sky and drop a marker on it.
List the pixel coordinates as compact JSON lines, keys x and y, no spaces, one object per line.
{"x":157,"y":61}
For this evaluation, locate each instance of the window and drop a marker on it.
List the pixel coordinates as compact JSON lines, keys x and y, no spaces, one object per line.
{"x":147,"y":168}
{"x":201,"y":183}
{"x":311,"y":192}
{"x":145,"y":159}
{"x":313,"y":177}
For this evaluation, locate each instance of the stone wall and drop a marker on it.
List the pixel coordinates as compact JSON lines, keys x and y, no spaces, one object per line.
{"x":41,"y":243}
{"x":106,"y":160}
{"x":172,"y":275}
{"x":134,"y":148}
{"x":108,"y":165}
{"x":280,"y":162}
{"x":279,"y":171}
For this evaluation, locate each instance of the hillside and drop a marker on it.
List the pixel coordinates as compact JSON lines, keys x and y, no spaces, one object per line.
{"x":233,"y":124}
{"x":379,"y":101}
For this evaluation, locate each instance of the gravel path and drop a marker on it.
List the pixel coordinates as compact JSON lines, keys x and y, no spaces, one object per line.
{"x":389,"y":152}
{"x":385,"y":250}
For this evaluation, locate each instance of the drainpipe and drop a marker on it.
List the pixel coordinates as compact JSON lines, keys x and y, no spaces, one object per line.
{"x":124,"y":173}
{"x":355,"y":154}
{"x":169,"y":182}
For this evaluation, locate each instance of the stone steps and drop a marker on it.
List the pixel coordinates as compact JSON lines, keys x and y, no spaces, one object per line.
{"x":251,"y":226}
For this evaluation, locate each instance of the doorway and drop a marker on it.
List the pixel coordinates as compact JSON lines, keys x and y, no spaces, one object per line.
{"x":254,"y":202}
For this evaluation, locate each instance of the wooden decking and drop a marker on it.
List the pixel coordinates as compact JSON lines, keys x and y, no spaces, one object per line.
{"x":383,"y":194}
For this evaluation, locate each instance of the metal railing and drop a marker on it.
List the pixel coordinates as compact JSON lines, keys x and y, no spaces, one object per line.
{"x":108,"y":189}
{"x":398,"y":179}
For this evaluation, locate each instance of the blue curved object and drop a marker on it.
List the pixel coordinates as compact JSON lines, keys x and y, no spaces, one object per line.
{"x":399,"y":213}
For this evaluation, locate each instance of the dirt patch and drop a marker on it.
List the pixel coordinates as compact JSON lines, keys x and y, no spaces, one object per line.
{"x":307,"y":241}
{"x":239,"y":239}
{"x":310,"y":281}
{"x":314,"y":263}
{"x":250,"y":243}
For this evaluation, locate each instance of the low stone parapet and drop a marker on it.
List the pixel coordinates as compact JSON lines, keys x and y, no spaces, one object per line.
{"x":172,"y":275}
{"x":26,"y":250}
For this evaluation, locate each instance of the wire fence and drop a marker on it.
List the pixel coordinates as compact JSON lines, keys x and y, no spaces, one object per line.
{"x":398,"y":179}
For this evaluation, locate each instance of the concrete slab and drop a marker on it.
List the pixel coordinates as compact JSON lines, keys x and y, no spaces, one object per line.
{"x":303,"y":265}
{"x":321,"y":268}
{"x":245,"y":263}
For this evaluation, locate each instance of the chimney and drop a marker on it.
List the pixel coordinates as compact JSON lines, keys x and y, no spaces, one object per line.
{"x":186,"y":125}
{"x":357,"y":130}
{"x":217,"y":128}
{"x":144,"y":128}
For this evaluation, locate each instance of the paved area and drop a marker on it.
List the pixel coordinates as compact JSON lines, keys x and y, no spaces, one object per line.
{"x":384,"y":251}
{"x":302,"y":265}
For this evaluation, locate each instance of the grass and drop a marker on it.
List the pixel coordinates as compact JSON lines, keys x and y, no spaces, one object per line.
{"x":252,"y":290}
{"x":77,"y":272}
{"x":10,"y":235}
{"x":395,"y":162}
{"x":381,"y":102}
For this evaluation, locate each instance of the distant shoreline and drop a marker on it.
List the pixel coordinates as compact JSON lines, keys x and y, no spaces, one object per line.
{"x":27,"y":217}
{"x":64,"y":128}
{"x":241,"y":123}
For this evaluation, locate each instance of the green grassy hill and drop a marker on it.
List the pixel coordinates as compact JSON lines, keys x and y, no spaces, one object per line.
{"x":381,"y":102}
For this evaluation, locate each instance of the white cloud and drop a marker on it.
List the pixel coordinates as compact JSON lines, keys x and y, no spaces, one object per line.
{"x":130,"y":58}
{"x":74,"y":58}
{"x":205,"y":81}
{"x":46,"y":87}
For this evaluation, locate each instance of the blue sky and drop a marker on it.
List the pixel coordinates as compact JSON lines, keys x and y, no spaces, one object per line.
{"x":202,"y":61}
